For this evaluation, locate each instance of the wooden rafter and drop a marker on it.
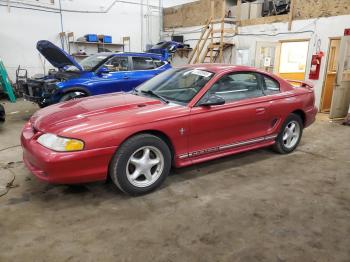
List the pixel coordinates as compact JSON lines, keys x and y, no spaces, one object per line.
{"x":291,"y":14}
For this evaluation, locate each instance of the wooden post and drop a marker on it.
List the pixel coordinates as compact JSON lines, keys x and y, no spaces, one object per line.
{"x":212,"y":31}
{"x":291,"y":14}
{"x":222,"y":30}
{"x":238,"y":18}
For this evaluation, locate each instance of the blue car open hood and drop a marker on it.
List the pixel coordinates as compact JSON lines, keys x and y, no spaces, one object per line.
{"x":165,"y":48}
{"x":56,"y":56}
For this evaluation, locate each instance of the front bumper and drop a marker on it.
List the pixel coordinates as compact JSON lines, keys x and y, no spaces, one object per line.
{"x":64,"y":167}
{"x":39,"y":92}
{"x":41,"y":101}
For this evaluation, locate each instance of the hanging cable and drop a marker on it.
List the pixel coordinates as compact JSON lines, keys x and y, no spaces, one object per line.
{"x":62,"y":31}
{"x":34,"y":6}
{"x":30,"y":8}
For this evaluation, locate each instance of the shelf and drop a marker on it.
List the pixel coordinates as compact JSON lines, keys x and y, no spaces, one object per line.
{"x":95,"y":43}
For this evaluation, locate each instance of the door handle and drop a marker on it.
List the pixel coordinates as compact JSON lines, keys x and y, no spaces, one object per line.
{"x":260,"y":111}
{"x":126,"y":77}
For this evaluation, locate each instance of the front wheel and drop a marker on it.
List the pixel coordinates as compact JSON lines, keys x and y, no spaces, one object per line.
{"x":141,"y":164}
{"x":290,"y":135}
{"x":72,"y":95}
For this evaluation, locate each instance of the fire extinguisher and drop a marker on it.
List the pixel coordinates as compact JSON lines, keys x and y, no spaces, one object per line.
{"x":316,"y":63}
{"x":316,"y":66}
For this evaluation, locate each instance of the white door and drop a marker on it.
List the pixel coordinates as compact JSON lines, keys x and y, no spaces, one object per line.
{"x":265,"y":55}
{"x":341,"y":94}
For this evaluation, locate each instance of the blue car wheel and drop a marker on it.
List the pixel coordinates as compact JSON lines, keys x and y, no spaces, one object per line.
{"x":73,"y":95}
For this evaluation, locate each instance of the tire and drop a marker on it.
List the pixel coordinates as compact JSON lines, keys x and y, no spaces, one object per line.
{"x":73,"y":95}
{"x":131,"y":169}
{"x":288,"y":140}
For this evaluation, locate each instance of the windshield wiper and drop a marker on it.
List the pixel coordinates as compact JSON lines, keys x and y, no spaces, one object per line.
{"x":150,"y":92}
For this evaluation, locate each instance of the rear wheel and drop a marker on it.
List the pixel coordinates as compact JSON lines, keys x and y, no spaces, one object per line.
{"x":141,"y":164}
{"x":290,"y":135}
{"x":72,"y":95}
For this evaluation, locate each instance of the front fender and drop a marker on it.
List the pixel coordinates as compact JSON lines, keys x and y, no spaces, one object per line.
{"x":67,"y":89}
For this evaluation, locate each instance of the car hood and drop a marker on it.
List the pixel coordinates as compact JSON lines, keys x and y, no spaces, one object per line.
{"x":96,"y":114}
{"x":56,"y":56}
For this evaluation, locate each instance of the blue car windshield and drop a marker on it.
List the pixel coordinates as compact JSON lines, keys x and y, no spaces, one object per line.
{"x":90,"y":63}
{"x":179,"y":85}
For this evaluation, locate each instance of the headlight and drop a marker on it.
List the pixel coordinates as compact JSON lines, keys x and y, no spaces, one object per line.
{"x":60,"y":144}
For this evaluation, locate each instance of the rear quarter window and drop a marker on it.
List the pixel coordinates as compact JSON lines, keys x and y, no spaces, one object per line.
{"x":143,"y":63}
{"x":271,"y":86}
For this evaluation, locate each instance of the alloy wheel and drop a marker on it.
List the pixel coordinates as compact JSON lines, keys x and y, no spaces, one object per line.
{"x":145,"y":166}
{"x":291,"y":134}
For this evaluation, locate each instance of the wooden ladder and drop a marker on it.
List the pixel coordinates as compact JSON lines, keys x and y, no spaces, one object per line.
{"x":5,"y":83}
{"x":212,"y":50}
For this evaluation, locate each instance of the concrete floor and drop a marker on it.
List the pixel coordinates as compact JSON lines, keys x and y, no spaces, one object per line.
{"x":255,"y":206}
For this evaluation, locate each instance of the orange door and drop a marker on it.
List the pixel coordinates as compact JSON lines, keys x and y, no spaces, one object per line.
{"x":329,"y":82}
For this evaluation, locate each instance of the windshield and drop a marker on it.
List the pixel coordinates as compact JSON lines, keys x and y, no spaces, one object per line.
{"x":89,"y":63}
{"x":176,"y":85}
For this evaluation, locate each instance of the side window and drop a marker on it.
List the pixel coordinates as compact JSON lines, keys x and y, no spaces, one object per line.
{"x":271,"y":86}
{"x":117,"y":63}
{"x":237,"y":86}
{"x":143,"y":63}
{"x":158,"y":63}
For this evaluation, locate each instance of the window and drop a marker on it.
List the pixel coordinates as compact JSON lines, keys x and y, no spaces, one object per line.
{"x":237,"y":86}
{"x":90,"y":63}
{"x":178,"y":85}
{"x":293,"y":57}
{"x":117,"y":64}
{"x":143,"y":63}
{"x":158,"y":63}
{"x":270,"y":86}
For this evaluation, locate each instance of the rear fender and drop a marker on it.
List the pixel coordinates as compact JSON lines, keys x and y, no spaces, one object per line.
{"x":305,"y":84}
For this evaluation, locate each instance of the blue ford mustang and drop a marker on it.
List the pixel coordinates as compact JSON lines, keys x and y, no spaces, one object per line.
{"x":98,"y":74}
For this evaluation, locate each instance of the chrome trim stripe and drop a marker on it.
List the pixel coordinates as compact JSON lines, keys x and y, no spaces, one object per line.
{"x":183,"y":156}
{"x":270,"y":137}
{"x":242,"y":143}
{"x":228,"y":146}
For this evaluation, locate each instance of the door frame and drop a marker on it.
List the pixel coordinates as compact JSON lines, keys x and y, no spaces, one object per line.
{"x":326,"y":70}
{"x":338,"y":97}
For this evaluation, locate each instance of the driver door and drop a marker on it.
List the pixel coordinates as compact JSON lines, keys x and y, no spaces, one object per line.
{"x":118,"y":77}
{"x":243,"y":119}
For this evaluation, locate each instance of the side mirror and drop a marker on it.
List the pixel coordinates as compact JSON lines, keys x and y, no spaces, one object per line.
{"x":102,"y":71}
{"x":213,"y":100}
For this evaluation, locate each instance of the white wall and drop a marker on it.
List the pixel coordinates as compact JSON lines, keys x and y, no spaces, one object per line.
{"x":314,"y":29}
{"x":21,"y":29}
{"x":170,"y":3}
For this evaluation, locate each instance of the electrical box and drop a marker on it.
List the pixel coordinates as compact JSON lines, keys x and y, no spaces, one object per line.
{"x":255,"y":10}
{"x":245,"y":11}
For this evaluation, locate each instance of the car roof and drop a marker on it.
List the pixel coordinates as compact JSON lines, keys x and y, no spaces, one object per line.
{"x":216,"y":68}
{"x":219,"y":68}
{"x":152,"y":55}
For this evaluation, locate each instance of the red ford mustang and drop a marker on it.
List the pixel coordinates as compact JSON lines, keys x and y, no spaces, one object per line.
{"x":181,"y":117}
